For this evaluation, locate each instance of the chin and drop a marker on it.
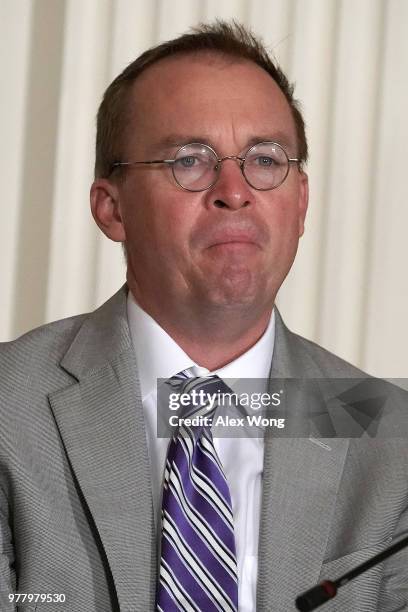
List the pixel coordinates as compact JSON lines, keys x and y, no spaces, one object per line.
{"x":236,"y":287}
{"x":235,"y":296}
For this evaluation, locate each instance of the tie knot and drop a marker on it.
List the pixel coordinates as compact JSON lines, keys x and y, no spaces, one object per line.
{"x":198,"y":396}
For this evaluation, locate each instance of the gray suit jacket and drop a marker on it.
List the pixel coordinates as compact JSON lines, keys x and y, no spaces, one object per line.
{"x":76,"y":515}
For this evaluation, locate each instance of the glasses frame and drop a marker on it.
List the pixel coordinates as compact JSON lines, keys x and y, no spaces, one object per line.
{"x":240,"y":160}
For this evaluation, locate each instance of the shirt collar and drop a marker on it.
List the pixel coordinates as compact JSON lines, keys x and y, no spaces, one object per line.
{"x":159,"y":356}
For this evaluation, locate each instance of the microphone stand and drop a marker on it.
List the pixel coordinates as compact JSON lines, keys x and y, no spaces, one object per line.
{"x":327,"y":589}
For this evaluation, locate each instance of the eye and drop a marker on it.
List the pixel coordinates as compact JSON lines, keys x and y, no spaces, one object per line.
{"x":265,"y":161}
{"x":189,"y":161}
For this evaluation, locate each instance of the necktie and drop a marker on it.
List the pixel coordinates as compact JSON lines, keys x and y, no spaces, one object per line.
{"x":198,"y":568}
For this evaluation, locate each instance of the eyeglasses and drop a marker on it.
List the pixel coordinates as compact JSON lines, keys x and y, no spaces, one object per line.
{"x":196,"y":166}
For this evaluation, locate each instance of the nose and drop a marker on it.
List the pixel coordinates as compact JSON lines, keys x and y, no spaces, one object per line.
{"x":231,"y":190}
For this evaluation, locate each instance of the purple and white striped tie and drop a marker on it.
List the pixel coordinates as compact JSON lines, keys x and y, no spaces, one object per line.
{"x":198,"y":569}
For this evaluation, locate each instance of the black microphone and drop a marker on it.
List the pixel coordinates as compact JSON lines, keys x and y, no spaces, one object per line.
{"x":327,"y":589}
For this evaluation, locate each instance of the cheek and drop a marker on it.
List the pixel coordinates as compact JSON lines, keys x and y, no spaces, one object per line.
{"x":282,"y":217}
{"x":159,"y":221}
{"x":283,"y":221}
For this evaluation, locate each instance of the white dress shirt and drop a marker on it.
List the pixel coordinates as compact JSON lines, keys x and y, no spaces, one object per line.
{"x":158,"y":356}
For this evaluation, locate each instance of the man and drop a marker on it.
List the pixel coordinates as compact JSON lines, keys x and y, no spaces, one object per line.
{"x":199,"y":173}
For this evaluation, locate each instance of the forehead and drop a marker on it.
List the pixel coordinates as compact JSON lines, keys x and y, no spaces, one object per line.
{"x":219,"y":98}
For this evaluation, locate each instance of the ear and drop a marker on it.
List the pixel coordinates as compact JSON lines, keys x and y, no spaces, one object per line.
{"x":105,"y":209}
{"x":303,"y":200}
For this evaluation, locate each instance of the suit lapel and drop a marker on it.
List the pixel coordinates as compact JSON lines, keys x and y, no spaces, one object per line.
{"x":100,"y":420}
{"x":300,"y":482}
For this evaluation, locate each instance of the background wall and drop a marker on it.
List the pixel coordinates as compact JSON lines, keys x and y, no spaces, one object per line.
{"x":349,"y":59}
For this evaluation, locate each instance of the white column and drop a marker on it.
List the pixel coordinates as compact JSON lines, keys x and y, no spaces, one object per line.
{"x":15,"y":21}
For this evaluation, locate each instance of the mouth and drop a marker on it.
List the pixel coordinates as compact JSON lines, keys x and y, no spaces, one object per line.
{"x":234,"y":243}
{"x":235,"y":248}
{"x":234,"y":239}
{"x":244,"y":238}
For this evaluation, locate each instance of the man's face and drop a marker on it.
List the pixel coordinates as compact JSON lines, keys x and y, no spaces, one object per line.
{"x":230,"y":246}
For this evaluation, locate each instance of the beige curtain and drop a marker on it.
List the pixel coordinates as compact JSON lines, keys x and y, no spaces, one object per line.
{"x":349,"y":59}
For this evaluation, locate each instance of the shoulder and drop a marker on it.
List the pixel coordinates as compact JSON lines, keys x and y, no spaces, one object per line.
{"x":379,"y":406}
{"x":29,"y":365}
{"x":295,"y":356}
{"x":41,"y":348}
{"x":329,"y":363}
{"x":43,"y":344}
{"x":36,"y":364}
{"x":29,"y":371}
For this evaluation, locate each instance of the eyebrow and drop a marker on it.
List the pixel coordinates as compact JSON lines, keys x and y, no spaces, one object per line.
{"x":178,"y":140}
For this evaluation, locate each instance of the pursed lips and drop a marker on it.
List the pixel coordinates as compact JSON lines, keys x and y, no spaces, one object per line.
{"x":228,"y":236}
{"x":245,"y":235}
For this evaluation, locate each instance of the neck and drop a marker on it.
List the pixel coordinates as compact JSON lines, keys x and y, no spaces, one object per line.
{"x":212,"y":340}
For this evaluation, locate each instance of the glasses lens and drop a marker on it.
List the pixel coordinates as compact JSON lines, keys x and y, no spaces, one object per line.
{"x":195,"y":167}
{"x":266,"y":166}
